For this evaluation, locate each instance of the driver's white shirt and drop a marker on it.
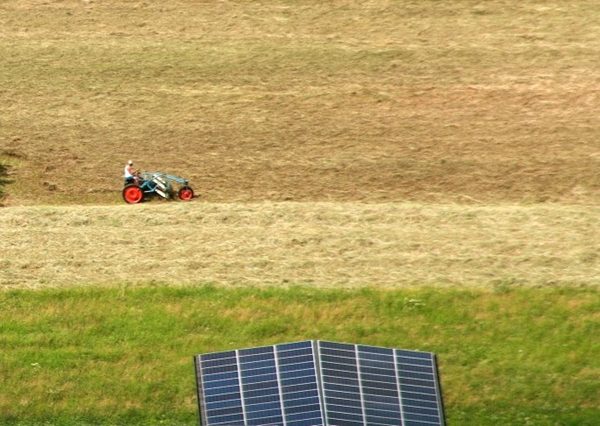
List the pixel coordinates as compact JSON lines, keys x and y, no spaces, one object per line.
{"x":127,"y":174}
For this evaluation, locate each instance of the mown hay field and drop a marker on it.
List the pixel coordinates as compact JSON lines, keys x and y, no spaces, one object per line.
{"x":408,"y":172}
{"x":461,"y":101}
{"x":321,"y":244}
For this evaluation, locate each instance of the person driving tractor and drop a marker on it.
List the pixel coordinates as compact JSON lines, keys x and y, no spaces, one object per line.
{"x":130,"y":174}
{"x":142,"y":184}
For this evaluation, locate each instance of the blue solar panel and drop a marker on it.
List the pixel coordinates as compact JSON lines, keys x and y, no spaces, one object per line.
{"x":315,"y":383}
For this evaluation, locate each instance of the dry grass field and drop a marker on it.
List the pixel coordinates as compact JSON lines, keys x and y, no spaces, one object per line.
{"x":378,"y":165}
{"x":345,"y":142}
{"x":322,"y":244}
{"x":374,"y":101}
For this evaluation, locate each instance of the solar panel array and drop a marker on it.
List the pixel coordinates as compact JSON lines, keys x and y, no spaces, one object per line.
{"x":315,"y":383}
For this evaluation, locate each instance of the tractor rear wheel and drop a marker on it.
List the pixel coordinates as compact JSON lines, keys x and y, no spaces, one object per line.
{"x":186,"y":193}
{"x":133,"y":194}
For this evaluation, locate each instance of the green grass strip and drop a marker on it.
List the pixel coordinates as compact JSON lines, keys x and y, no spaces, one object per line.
{"x":123,"y":355}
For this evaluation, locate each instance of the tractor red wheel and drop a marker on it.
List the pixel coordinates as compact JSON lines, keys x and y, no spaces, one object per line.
{"x":133,"y":194}
{"x":186,"y":193}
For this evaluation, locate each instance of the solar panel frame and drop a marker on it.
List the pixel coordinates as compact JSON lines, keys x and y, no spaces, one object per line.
{"x":319,"y":383}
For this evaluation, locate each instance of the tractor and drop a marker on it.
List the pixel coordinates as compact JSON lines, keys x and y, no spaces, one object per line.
{"x":147,"y":184}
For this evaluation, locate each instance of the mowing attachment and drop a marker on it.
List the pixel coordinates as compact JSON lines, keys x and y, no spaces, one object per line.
{"x":147,"y":184}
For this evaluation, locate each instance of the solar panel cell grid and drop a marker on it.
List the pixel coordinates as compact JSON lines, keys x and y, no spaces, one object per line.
{"x":317,"y":383}
{"x":414,"y":361}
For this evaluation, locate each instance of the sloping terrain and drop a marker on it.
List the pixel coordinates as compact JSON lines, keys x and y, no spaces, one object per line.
{"x":372,"y":101}
{"x":434,"y":155}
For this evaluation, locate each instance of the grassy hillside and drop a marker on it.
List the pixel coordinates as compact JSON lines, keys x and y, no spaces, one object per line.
{"x":459,"y":101}
{"x":413,"y":173}
{"x":124,"y":355}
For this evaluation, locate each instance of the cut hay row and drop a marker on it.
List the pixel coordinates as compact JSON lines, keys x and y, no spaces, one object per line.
{"x":320,"y":244}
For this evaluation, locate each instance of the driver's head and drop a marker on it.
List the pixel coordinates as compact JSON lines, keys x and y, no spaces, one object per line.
{"x":130,"y":162}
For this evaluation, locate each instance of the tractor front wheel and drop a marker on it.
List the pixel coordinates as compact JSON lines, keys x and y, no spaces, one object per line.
{"x":133,"y":194}
{"x":186,"y":193}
